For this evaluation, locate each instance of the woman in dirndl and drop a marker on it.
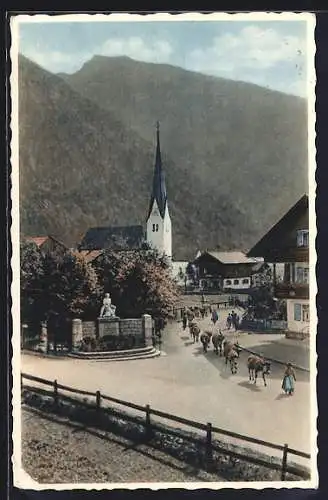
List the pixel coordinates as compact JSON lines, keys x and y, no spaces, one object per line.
{"x":288,"y":380}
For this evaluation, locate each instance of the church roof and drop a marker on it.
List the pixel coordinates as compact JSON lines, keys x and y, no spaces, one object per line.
{"x":159,"y":187}
{"x":113,"y":238}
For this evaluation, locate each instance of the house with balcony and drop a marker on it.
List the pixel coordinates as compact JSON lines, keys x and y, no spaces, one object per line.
{"x":287,"y":242}
{"x":229,"y":271}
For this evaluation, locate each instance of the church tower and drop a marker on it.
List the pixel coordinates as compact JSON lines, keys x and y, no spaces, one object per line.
{"x":159,"y":229}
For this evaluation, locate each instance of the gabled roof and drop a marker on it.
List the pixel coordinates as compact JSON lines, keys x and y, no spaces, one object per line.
{"x":230,"y":257}
{"x":38,"y":240}
{"x":283,"y":226}
{"x":89,"y":255}
{"x":159,"y":187}
{"x":113,"y":238}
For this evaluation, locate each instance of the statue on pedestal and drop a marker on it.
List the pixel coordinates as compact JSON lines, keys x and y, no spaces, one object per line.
{"x":108,"y":309}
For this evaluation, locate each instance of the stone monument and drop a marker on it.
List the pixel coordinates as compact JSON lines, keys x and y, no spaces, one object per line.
{"x":108,"y":309}
{"x":108,"y":322}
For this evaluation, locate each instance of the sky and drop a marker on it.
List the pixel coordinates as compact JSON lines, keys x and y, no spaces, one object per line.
{"x":269,"y":53}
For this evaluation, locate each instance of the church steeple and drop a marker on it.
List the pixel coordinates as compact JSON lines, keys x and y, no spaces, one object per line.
{"x":159,"y":228}
{"x":159,"y":187}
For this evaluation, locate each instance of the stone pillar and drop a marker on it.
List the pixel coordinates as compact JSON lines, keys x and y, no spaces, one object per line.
{"x":147,"y":327}
{"x":44,"y":337}
{"x":76,"y":334}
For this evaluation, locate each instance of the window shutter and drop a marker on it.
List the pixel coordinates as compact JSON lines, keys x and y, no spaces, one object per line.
{"x":297,"y":312}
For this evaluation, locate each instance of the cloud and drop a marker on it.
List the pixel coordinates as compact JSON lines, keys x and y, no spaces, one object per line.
{"x":253,"y":50}
{"x":157,"y":51}
{"x":256,"y":54}
{"x":56,"y":61}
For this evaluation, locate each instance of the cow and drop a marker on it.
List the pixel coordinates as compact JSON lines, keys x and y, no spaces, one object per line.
{"x":217,"y":340}
{"x":231,"y":354}
{"x":194,"y":331}
{"x":256,"y":364}
{"x":205,"y":339}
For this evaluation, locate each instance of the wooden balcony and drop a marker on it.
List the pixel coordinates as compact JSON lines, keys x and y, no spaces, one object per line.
{"x":291,"y":291}
{"x":287,"y":254}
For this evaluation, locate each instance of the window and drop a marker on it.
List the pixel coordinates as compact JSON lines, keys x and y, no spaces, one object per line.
{"x":228,"y":282}
{"x":236,"y":282}
{"x":302,"y":312}
{"x":306,"y":313}
{"x":302,"y":275}
{"x":297,"y":312}
{"x":155,"y":228}
{"x":303,"y":238}
{"x":245,"y":281}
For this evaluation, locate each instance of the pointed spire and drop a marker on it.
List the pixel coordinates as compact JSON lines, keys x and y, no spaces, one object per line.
{"x":159,"y":188}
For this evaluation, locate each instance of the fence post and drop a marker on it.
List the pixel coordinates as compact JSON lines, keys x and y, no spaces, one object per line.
{"x":284,"y":463}
{"x":98,"y":399}
{"x":148,"y":423}
{"x":209,"y":454}
{"x":56,"y":392}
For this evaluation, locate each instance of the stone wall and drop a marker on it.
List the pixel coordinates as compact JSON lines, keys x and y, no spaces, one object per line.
{"x":131,"y":326}
{"x":139,"y":330}
{"x":89,"y":329}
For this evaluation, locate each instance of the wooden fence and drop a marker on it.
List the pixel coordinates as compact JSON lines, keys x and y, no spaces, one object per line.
{"x":208,"y":428}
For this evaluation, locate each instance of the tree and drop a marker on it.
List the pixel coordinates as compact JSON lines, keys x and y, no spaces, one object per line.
{"x":57,"y":288}
{"x":262,"y":304}
{"x":31,"y":279}
{"x":71,"y":286}
{"x":139,"y":282}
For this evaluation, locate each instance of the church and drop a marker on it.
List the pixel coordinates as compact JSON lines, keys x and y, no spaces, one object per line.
{"x":158,"y":226}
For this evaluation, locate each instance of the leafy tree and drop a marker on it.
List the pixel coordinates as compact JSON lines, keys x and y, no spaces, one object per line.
{"x":57,"y":288}
{"x":31,"y":280}
{"x":138,"y":281}
{"x":262,"y":304}
{"x":71,"y":286}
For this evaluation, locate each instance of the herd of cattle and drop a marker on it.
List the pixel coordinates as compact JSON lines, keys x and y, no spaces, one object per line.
{"x":230,"y":351}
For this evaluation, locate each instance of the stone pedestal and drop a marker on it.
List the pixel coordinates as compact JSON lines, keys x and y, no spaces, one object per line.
{"x":147,"y":325}
{"x":108,"y":326}
{"x":76,"y":334}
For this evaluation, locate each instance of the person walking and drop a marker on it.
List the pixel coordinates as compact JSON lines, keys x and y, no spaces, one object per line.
{"x":237,"y":322}
{"x":215,"y":316}
{"x":233,"y":319}
{"x":288,"y":380}
{"x":229,"y":321}
{"x":184,"y":319}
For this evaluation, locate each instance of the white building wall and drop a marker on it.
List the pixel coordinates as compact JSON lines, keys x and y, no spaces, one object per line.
{"x":295,"y":325}
{"x":237,"y":286}
{"x":161,"y":238}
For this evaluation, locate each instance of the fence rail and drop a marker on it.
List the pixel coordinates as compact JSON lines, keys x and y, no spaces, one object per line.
{"x":208,"y":428}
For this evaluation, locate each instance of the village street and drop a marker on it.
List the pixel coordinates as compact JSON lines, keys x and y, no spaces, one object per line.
{"x":186,"y":382}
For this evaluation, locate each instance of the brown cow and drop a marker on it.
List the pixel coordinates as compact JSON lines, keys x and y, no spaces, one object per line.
{"x":217,"y":341}
{"x":205,"y":339}
{"x":231,"y":354}
{"x":194,"y":331}
{"x":256,"y":364}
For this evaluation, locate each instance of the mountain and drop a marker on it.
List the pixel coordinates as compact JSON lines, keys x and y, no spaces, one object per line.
{"x":83,"y":164}
{"x":235,"y":140}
